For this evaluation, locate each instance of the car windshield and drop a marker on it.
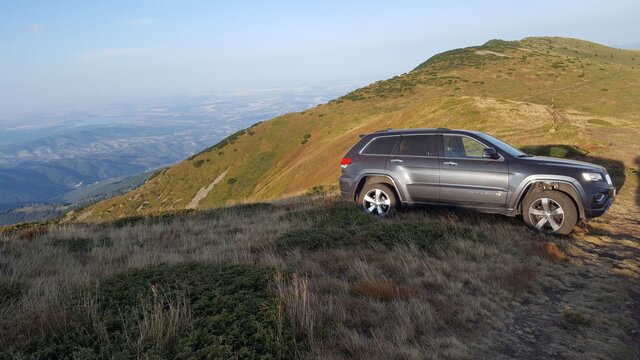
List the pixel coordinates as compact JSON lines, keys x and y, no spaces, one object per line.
{"x":504,"y":146}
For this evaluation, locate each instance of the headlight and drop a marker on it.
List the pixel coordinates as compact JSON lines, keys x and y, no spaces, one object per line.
{"x":606,"y":176}
{"x":592,"y":176}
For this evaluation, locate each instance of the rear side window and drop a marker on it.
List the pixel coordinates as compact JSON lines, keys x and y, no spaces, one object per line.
{"x":419,"y":145}
{"x":381,"y":146}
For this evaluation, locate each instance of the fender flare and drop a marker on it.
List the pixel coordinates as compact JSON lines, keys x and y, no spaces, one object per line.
{"x":384,"y":179}
{"x":565,"y":184}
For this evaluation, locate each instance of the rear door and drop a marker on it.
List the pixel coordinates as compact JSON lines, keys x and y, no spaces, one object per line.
{"x":467,"y":178}
{"x":416,"y":168}
{"x":375,"y":154}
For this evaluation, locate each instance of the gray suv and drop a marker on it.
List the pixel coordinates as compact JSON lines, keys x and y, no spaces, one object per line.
{"x":474,"y":170}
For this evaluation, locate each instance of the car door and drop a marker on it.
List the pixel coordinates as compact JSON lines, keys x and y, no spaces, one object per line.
{"x":415,"y":165}
{"x":467,"y":178}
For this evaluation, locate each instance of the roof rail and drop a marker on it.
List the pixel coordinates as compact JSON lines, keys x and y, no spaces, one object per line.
{"x":443,"y":129}
{"x":384,"y":130}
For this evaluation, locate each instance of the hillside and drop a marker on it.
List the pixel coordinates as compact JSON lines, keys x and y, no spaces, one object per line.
{"x":532,"y":92}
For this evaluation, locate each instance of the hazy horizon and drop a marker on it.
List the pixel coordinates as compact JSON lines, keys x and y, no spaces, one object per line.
{"x":68,"y":53}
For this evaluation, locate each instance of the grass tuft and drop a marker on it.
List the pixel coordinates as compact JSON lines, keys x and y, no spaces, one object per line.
{"x":550,"y":251}
{"x":520,"y":278}
{"x":383,"y":290}
{"x":573,"y":318}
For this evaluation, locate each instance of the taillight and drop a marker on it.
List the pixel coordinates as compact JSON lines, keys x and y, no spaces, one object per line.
{"x":344,"y":162}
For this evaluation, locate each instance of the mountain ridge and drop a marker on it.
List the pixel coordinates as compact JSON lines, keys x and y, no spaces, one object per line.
{"x":535,"y":91}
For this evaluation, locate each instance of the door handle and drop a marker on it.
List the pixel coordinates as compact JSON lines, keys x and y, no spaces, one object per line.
{"x":450,"y":163}
{"x":396,"y":160}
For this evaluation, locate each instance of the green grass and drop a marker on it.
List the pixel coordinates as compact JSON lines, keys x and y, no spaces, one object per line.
{"x":349,"y":226}
{"x":185,"y":311}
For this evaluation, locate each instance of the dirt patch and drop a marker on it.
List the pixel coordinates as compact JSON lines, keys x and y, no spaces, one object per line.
{"x":204,"y":191}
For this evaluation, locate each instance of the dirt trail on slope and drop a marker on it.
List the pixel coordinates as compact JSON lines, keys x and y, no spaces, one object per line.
{"x":204,"y":191}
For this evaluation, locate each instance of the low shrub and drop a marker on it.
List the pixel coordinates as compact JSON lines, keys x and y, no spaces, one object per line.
{"x":10,"y":291}
{"x":573,"y":318}
{"x":321,"y":190}
{"x":34,"y":232}
{"x":185,"y":311}
{"x":346,"y":225}
{"x":314,"y":239}
{"x":425,"y":235}
{"x":74,"y":245}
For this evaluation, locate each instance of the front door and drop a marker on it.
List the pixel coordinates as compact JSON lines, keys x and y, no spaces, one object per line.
{"x":415,"y":164}
{"x":467,"y":178}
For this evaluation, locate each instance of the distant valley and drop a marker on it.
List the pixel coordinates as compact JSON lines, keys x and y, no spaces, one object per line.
{"x":50,"y":161}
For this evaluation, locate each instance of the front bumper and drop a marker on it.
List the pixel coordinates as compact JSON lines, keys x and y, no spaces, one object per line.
{"x":601,"y":201}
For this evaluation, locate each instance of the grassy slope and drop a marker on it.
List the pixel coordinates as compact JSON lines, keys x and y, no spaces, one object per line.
{"x":536,"y":91}
{"x":317,"y":276}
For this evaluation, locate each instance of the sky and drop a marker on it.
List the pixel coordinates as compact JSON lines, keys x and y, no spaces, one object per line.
{"x":55,"y":54}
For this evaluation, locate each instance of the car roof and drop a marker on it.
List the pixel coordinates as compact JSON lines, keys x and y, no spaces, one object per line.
{"x":420,"y":131}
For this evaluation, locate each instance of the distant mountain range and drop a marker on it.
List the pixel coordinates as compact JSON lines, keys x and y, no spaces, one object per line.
{"x":68,"y":158}
{"x":533,"y":92}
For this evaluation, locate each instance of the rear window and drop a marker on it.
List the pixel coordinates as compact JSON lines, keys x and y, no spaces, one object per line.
{"x":381,"y":146}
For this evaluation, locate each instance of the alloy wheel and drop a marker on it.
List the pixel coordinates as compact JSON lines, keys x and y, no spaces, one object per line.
{"x":376,"y":202}
{"x":546,"y":214}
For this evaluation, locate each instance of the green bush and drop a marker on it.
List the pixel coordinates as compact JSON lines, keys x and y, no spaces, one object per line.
{"x":321,"y":189}
{"x":314,"y":239}
{"x":229,"y":312}
{"x":430,"y":237}
{"x":426,"y":236}
{"x":345,"y":225}
{"x":198,"y":163}
{"x":74,"y":245}
{"x":10,"y":291}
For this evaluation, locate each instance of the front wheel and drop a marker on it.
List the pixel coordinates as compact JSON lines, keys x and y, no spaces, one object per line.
{"x":550,"y":212}
{"x":378,"y":199}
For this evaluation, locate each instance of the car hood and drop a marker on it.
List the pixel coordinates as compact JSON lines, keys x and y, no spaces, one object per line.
{"x":552,"y":161}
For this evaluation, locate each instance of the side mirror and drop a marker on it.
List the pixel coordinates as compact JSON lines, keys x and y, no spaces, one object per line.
{"x":490,"y":153}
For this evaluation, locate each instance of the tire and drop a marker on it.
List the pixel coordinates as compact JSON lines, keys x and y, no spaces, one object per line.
{"x":550,"y":212}
{"x":378,"y":199}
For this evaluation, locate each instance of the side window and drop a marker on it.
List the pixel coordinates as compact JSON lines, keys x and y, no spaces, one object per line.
{"x":419,"y":145}
{"x":462,"y":146}
{"x":381,"y":146}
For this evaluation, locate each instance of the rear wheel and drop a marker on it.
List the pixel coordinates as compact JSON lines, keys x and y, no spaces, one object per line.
{"x":378,"y":199}
{"x":550,"y":212}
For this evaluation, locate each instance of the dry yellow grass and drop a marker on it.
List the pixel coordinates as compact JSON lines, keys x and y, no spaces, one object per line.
{"x":504,"y":292}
